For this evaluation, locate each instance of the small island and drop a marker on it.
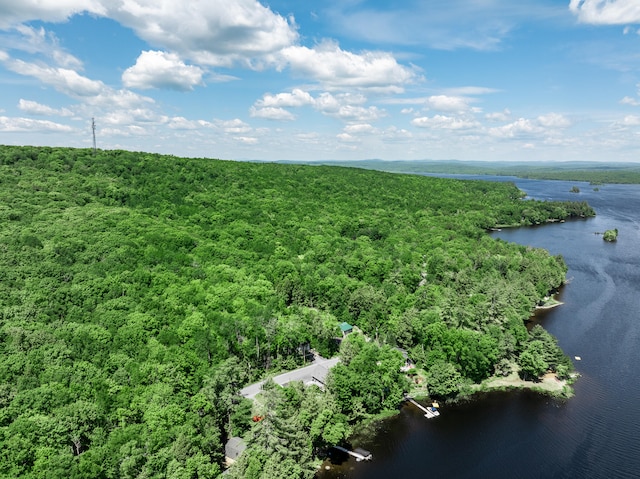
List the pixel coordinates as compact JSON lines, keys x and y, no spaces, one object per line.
{"x":610,"y":235}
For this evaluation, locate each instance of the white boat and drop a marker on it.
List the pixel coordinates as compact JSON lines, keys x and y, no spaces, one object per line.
{"x":431,"y":412}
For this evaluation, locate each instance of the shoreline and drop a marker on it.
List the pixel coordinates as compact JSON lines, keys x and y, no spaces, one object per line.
{"x":548,"y":384}
{"x":552,"y":303}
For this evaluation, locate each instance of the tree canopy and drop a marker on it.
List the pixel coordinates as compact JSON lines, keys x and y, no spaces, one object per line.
{"x":139,"y":292}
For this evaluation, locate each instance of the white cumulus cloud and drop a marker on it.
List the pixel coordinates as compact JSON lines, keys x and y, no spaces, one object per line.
{"x":247,"y":140}
{"x":442,"y":122}
{"x":554,"y":120}
{"x":126,"y":99}
{"x":127,"y":131}
{"x":359,"y":113}
{"x":38,"y":41}
{"x":630,"y":120}
{"x":448,"y":103}
{"x":627,"y":100}
{"x":235,"y":126}
{"x":272,"y":113}
{"x":520,"y":127}
{"x":333,"y":67}
{"x":347,"y":107}
{"x":34,"y":108}
{"x":347,"y":138}
{"x":344,"y":106}
{"x":360,"y":129}
{"x":606,"y":12}
{"x":14,"y":12}
{"x":131,"y":115}
{"x":209,"y":32}
{"x":329,"y":103}
{"x":503,"y":115}
{"x":396,"y":134}
{"x":181,"y":123}
{"x":154,"y":69}
{"x":9,"y":124}
{"x":64,"y":80}
{"x":296,"y":98}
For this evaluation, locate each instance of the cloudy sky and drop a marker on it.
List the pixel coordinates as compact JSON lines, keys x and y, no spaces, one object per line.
{"x":337,"y":79}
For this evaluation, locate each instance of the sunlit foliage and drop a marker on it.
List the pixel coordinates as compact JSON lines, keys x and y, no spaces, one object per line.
{"x":140,"y":292}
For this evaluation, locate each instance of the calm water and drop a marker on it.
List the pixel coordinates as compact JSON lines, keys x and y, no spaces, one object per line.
{"x":596,"y":434}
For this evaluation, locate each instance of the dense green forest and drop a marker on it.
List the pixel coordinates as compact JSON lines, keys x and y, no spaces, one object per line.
{"x":140,"y":292}
{"x":592,"y":172}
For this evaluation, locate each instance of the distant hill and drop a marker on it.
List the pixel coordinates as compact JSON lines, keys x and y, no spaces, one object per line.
{"x":594,"y":172}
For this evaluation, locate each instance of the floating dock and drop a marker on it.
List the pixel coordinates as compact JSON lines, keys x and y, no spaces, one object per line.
{"x":428,"y":412}
{"x":359,"y":454}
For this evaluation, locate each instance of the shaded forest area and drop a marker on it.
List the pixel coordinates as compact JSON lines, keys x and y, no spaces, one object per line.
{"x":140,"y":292}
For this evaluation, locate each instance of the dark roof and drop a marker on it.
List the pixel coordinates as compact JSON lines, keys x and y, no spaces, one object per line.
{"x":234,"y":447}
{"x":362,"y":452}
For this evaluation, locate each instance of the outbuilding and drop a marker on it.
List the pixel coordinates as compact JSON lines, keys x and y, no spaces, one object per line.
{"x":346,"y":328}
{"x":233,"y":448}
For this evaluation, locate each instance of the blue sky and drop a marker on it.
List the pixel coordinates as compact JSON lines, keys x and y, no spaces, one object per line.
{"x":541,"y":80}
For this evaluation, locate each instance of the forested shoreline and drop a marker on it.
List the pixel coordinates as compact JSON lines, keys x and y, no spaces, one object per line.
{"x":595,"y":172}
{"x":139,"y":292}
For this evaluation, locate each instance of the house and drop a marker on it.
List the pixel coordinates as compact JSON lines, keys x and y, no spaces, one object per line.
{"x":233,"y":448}
{"x":408,"y":363}
{"x":346,"y":328}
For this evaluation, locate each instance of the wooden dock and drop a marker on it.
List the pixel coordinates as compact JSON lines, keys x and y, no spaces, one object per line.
{"x":428,"y":412}
{"x":359,"y":454}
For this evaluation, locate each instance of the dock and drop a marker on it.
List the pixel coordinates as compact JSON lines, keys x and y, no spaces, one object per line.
{"x":428,"y":412}
{"x":359,"y":454}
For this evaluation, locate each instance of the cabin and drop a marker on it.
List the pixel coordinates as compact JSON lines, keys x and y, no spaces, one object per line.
{"x":232,"y":449}
{"x":346,"y":328}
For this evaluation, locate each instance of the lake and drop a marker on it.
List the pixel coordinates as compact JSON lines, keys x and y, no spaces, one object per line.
{"x":595,"y":434}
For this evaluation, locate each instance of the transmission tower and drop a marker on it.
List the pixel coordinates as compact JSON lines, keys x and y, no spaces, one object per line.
{"x":93,"y":128}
